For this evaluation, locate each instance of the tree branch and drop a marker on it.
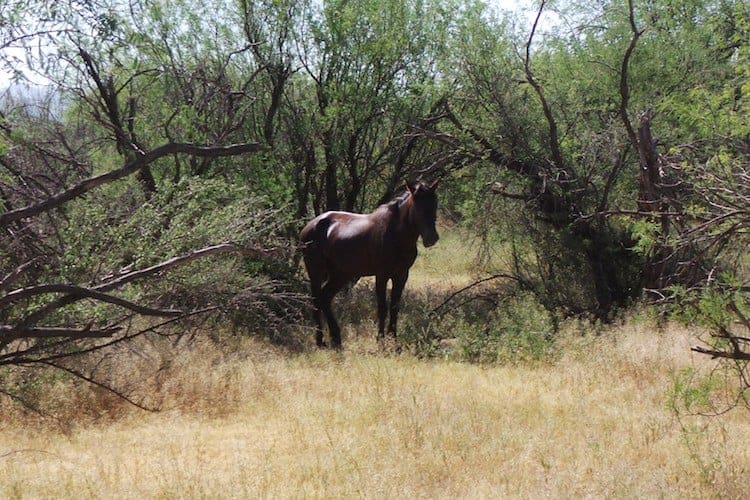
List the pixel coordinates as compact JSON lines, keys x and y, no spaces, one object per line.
{"x":80,"y":292}
{"x":554,"y":141}
{"x":12,"y":276}
{"x":624,"y":88}
{"x":738,"y":355}
{"x":163,"y":266}
{"x":101,"y":385}
{"x":472,"y":285}
{"x":525,"y":168}
{"x":123,"y":279}
{"x":131,"y":167}
{"x":44,"y":332}
{"x":52,"y":351}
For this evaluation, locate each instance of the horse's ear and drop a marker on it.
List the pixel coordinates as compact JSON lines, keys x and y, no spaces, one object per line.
{"x":434,"y":185}
{"x":410,"y":187}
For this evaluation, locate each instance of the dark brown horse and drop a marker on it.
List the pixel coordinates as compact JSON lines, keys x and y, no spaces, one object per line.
{"x":341,"y":247}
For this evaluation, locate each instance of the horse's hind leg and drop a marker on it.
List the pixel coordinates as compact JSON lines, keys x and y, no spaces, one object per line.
{"x":381,"y":285}
{"x":330,"y":289}
{"x":316,"y":291}
{"x":317,"y":276}
{"x":399,"y":282}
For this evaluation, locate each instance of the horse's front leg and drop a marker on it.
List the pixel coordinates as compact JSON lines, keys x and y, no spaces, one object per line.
{"x":381,"y":284}
{"x":399,"y":282}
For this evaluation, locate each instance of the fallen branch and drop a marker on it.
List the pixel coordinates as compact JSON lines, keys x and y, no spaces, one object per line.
{"x":52,"y":351}
{"x":737,"y":355}
{"x":12,"y":276}
{"x":44,"y":332}
{"x":99,"y":384}
{"x":138,"y":274}
{"x":80,"y":292}
{"x":163,"y":266}
{"x":634,"y":213}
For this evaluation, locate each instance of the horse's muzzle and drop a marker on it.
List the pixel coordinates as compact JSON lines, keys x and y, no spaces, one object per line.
{"x":430,"y":240}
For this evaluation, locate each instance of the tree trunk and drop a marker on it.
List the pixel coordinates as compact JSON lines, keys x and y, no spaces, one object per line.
{"x":653,"y":200}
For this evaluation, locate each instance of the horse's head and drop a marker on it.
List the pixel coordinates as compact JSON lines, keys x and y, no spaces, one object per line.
{"x":424,"y":203}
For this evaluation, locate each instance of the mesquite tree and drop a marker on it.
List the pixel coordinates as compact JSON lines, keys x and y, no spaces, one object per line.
{"x":566,"y":130}
{"x":100,"y":203}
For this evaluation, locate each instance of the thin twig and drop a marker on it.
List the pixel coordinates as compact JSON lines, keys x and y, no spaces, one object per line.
{"x":472,"y":285}
{"x":99,"y":384}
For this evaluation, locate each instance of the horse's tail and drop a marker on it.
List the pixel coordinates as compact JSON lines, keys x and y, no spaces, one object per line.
{"x":312,"y":243}
{"x":314,"y":234}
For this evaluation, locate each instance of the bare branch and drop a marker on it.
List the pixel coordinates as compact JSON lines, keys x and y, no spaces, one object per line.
{"x":12,"y":276}
{"x":738,"y":355}
{"x":82,"y":292}
{"x":474,"y":284}
{"x":29,"y":405}
{"x":163,"y":266}
{"x":54,"y":331}
{"x":624,"y":88}
{"x":554,"y":141}
{"x":52,"y":352}
{"x":633,"y":213}
{"x":495,"y":156}
{"x":101,"y":385}
{"x":131,"y":167}
{"x":121,"y":280}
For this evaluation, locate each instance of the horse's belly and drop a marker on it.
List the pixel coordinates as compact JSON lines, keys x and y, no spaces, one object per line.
{"x":354,"y":264}
{"x":354,"y":249}
{"x":353,"y":260}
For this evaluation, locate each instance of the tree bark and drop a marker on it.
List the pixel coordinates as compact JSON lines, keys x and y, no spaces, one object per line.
{"x":652,"y":200}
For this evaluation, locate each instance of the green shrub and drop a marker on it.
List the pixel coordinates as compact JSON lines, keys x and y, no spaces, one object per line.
{"x":515,"y":328}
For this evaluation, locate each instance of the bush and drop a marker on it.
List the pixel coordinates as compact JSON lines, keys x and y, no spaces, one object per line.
{"x":491,"y":326}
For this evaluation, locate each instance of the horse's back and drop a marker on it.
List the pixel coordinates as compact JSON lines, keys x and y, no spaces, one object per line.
{"x":343,"y":242}
{"x":331,"y":226}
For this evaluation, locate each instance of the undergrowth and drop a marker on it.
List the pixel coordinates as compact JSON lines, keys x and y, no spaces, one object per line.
{"x":486,"y":326}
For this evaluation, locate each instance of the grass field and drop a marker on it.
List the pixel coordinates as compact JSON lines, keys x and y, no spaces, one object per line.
{"x":246,"y":419}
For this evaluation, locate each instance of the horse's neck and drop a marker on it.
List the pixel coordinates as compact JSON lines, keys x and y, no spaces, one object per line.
{"x":407,"y":223}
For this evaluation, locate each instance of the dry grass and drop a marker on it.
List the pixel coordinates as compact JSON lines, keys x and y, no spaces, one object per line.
{"x":244,"y":419}
{"x":448,"y":265}
{"x":261,"y":423}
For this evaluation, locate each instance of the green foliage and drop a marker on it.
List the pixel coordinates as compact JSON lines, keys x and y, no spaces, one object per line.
{"x":647,"y":235}
{"x":719,"y":103}
{"x":368,"y":93}
{"x":478,"y":330}
{"x":370,"y":68}
{"x":694,"y":393}
{"x":718,"y":306}
{"x":118,"y":229}
{"x":123,"y":228}
{"x":519,"y":330}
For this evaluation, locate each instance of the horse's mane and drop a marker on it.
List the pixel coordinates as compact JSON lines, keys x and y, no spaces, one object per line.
{"x":397,"y":200}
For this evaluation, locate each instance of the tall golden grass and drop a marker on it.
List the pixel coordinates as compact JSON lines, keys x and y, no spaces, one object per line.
{"x":257,"y":422}
{"x":603,"y":416}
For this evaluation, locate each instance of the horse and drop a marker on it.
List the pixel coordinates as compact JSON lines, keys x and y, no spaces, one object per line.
{"x":338,"y":248}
